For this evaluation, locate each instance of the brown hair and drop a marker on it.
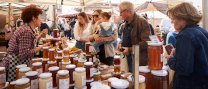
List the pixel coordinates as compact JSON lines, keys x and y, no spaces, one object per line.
{"x":185,"y":11}
{"x":99,"y":11}
{"x":29,"y":12}
{"x":81,"y":26}
{"x":106,"y":15}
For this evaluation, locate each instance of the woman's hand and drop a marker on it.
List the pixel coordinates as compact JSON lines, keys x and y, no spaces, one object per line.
{"x":171,"y":54}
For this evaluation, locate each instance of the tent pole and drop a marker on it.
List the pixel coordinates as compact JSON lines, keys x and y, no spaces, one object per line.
{"x":205,"y":14}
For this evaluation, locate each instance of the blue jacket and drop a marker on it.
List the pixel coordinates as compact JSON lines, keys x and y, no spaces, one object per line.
{"x":190,"y":61}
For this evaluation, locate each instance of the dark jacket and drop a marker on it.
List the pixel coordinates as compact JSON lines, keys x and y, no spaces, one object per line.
{"x":190,"y":61}
{"x":139,"y":35}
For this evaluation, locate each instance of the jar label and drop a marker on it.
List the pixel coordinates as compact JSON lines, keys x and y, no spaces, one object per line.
{"x":39,"y":70}
{"x":34,"y":84}
{"x":49,"y":85}
{"x":91,"y":72}
{"x":83,"y":80}
{"x":64,"y":83}
{"x":2,"y":78}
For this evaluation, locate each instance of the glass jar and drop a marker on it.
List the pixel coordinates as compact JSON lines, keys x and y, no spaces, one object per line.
{"x":36,"y":60}
{"x":45,"y":52}
{"x":55,"y":33}
{"x":160,"y":79}
{"x":2,"y":76}
{"x":52,"y":55}
{"x":60,"y":53}
{"x":117,"y":69}
{"x":50,"y":64}
{"x":81,"y":62}
{"x":45,"y":81}
{"x":72,"y":56}
{"x":120,"y":84}
{"x":66,"y":58}
{"x":66,"y":52}
{"x":33,"y":76}
{"x":89,"y":70}
{"x":53,"y":70}
{"x":22,"y":83}
{"x":143,"y":70}
{"x":76,"y":61}
{"x":96,"y":76}
{"x":63,"y":79}
{"x":37,"y":66}
{"x":22,"y":71}
{"x":12,"y":85}
{"x":87,"y":48}
{"x":116,"y":60}
{"x":45,"y":65}
{"x":59,"y":60}
{"x":17,"y":69}
{"x":71,"y":69}
{"x":80,"y":77}
{"x":64,"y":64}
{"x":155,"y":51}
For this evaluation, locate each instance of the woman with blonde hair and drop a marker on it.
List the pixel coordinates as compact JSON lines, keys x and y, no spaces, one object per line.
{"x":82,"y":30}
{"x":190,"y":58}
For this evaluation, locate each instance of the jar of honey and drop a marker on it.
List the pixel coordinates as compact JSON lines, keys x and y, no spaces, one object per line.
{"x":81,"y":62}
{"x":22,"y":83}
{"x":145,"y":71}
{"x":12,"y":85}
{"x":64,"y":64}
{"x":45,"y":52}
{"x":66,"y":52}
{"x":116,"y":60}
{"x":33,"y":76}
{"x":87,"y":48}
{"x":59,"y":53}
{"x":63,"y":79}
{"x":76,"y":61}
{"x":53,"y":70}
{"x":66,"y":58}
{"x":45,"y":65}
{"x":117,"y":69}
{"x":80,"y":77}
{"x":160,"y":79}
{"x":37,"y":66}
{"x":96,"y":76}
{"x":72,"y":56}
{"x":45,"y":81}
{"x":71,"y":69}
{"x":36,"y":60}
{"x":52,"y":55}
{"x":2,"y":77}
{"x":22,"y":71}
{"x":50,"y":64}
{"x":59,"y":60}
{"x":89,"y":70}
{"x":155,"y":51}
{"x":17,"y":69}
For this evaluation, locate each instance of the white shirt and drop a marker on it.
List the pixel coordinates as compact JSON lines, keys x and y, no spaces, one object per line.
{"x":85,"y":34}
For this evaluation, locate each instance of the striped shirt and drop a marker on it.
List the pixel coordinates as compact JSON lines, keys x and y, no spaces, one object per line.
{"x":22,"y":42}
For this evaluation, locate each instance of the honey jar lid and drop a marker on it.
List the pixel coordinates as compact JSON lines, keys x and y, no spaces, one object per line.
{"x":51,"y":62}
{"x":37,"y":64}
{"x":66,"y":63}
{"x":21,"y":66}
{"x":60,"y":51}
{"x":22,"y":81}
{"x":63,"y":72}
{"x":31,"y":73}
{"x":95,"y":83}
{"x":120,"y":83}
{"x":66,"y":56}
{"x":80,"y":69}
{"x":35,"y":59}
{"x":116,"y":56}
{"x":24,"y":69}
{"x":159,"y":72}
{"x":112,"y":79}
{"x":141,"y":79}
{"x":51,"y":49}
{"x":2,"y":68}
{"x":53,"y":68}
{"x":45,"y":59}
{"x":58,"y":58}
{"x":45,"y":75}
{"x":155,"y":44}
{"x":144,"y":69}
{"x":102,"y":86}
{"x":46,"y":47}
{"x":66,"y":49}
{"x":88,"y":63}
{"x":13,"y":83}
{"x":70,"y":66}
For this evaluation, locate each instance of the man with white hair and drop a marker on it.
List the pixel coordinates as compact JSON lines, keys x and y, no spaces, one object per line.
{"x":136,"y":31}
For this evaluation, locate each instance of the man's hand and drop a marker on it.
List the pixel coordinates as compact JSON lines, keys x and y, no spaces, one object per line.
{"x":126,"y":50}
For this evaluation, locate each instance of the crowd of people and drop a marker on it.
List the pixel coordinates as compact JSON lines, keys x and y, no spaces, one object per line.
{"x":188,"y":60}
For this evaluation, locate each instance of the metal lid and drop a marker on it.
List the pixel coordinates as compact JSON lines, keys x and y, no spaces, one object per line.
{"x":37,"y":64}
{"x":31,"y":73}
{"x":22,"y":81}
{"x":45,"y":75}
{"x":80,"y":69}
{"x":24,"y":69}
{"x":21,"y":66}
{"x":63,"y":72}
{"x":53,"y":68}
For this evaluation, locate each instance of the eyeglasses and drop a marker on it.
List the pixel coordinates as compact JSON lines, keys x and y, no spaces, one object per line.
{"x":123,"y":11}
{"x":95,"y":16}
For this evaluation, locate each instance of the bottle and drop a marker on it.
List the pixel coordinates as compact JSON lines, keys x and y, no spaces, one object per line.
{"x":54,"y":71}
{"x":22,"y":83}
{"x":22,"y":71}
{"x":17,"y":69}
{"x":37,"y":66}
{"x":2,"y":76}
{"x":63,"y":79}
{"x":45,"y":81}
{"x":33,"y":76}
{"x":80,"y":77}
